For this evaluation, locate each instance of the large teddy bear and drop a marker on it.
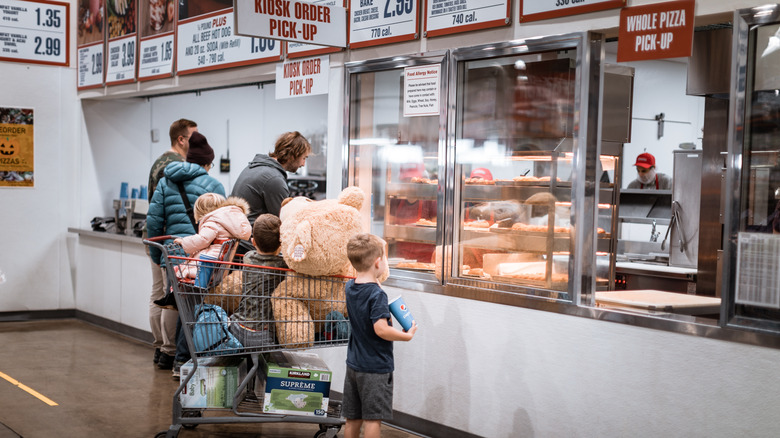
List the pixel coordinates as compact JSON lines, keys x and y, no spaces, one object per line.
{"x":314,"y":237}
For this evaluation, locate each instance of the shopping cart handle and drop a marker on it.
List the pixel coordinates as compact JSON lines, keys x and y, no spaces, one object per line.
{"x":160,"y":238}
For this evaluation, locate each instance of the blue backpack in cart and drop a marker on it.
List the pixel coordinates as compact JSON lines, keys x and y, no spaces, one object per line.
{"x":211,"y":330}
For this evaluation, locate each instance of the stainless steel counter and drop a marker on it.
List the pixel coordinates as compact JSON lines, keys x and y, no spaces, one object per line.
{"x":106,"y":235}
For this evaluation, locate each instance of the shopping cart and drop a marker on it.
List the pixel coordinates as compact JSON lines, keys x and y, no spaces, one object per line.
{"x":226,"y":309}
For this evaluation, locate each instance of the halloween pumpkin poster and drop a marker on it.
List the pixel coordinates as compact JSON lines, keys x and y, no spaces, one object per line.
{"x":16,"y":147}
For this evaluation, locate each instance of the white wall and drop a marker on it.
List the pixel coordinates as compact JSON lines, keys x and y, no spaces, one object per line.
{"x":35,"y":255}
{"x":118,"y":135}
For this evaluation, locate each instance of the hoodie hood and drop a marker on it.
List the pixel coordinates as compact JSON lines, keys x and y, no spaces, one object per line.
{"x":264,"y":160}
{"x":181,"y":171}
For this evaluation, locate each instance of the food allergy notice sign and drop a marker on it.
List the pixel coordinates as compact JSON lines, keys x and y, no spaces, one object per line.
{"x":656,"y":31}
{"x":375,"y":22}
{"x":35,"y":32}
{"x":444,"y":17}
{"x":209,"y":42}
{"x":421,"y":90}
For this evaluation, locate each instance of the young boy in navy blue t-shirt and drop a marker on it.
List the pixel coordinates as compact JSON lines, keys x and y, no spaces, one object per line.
{"x":368,"y":386}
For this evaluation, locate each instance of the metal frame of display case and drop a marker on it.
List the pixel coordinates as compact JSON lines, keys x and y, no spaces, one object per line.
{"x":584,"y":195}
{"x":586,"y":149}
{"x":745,"y":21}
{"x":410,"y":278}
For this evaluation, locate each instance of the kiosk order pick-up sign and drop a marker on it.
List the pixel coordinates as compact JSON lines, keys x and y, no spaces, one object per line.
{"x":291,"y":20}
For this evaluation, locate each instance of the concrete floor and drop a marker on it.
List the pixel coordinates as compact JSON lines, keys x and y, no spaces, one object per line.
{"x":103,"y":384}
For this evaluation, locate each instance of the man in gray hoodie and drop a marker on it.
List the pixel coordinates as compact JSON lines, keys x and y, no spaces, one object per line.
{"x":263,"y":183}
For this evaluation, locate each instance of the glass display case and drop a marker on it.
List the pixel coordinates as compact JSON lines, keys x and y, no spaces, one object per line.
{"x":755,"y":172}
{"x":515,"y":147}
{"x":395,"y":159}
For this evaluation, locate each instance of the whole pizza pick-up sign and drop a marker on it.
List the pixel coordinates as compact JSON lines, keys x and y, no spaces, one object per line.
{"x":291,"y":20}
{"x":656,"y":31}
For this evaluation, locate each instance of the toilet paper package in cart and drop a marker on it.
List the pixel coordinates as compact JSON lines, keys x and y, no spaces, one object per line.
{"x":296,"y":383}
{"x":214,"y":383}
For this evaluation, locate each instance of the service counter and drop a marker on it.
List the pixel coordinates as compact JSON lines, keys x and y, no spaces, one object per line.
{"x":637,"y":275}
{"x":114,"y":279}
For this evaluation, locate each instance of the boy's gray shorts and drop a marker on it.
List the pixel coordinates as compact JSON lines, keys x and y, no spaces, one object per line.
{"x":367,"y":396}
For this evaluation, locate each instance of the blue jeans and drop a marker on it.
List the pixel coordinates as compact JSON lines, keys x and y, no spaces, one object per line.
{"x":182,"y":349}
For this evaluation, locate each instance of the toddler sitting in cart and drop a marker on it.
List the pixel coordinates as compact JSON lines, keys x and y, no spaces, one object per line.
{"x":218,"y":219}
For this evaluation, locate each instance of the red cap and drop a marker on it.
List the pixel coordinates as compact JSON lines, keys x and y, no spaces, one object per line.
{"x":645,"y":160}
{"x":481,"y":172}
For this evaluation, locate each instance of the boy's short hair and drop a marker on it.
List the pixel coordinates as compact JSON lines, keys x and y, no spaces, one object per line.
{"x":206,"y":203}
{"x":363,"y":250}
{"x":265,"y":233}
{"x":180,"y":127}
{"x":289,"y":147}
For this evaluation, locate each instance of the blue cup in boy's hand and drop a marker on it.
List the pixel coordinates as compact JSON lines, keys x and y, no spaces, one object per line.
{"x":401,"y":312}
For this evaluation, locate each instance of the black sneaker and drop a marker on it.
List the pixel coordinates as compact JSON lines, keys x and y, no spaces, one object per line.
{"x":166,"y":302}
{"x":165,"y":362}
{"x":157,"y":354}
{"x":177,"y":369}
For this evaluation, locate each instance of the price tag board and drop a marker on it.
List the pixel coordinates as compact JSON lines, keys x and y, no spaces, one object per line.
{"x":120,"y":67}
{"x":90,"y":66}
{"x":122,"y":47}
{"x":532,"y":10}
{"x":156,"y":26}
{"x":91,"y":42}
{"x":375,"y":22}
{"x":35,"y":32}
{"x":444,"y":17}
{"x":156,"y":58}
{"x":208,"y":42}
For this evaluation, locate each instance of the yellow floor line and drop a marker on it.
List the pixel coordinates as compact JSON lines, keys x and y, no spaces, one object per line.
{"x":29,"y":390}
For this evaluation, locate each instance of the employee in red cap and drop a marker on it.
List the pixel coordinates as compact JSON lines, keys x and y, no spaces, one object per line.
{"x":647,"y":177}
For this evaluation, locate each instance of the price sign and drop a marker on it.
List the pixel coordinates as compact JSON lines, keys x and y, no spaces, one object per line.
{"x":208,"y":42}
{"x":444,"y":17}
{"x":375,"y":22}
{"x":120,"y":66}
{"x":90,"y":66}
{"x":34,"y":32}
{"x":532,"y":10}
{"x":156,"y":57}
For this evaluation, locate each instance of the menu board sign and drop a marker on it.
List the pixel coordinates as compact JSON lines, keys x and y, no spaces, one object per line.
{"x":208,"y":42}
{"x":532,"y":10}
{"x":122,"y":40}
{"x":375,"y":22}
{"x":90,"y":37}
{"x":35,"y":32}
{"x":444,"y":17}
{"x":656,"y":31}
{"x":156,"y":26}
{"x":292,"y":20}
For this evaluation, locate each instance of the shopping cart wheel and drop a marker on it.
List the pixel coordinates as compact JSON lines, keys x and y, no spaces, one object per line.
{"x":327,"y":431}
{"x":190,"y":413}
{"x":161,"y":434}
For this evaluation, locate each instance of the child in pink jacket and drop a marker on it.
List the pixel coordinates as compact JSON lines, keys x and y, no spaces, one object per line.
{"x":218,"y":218}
